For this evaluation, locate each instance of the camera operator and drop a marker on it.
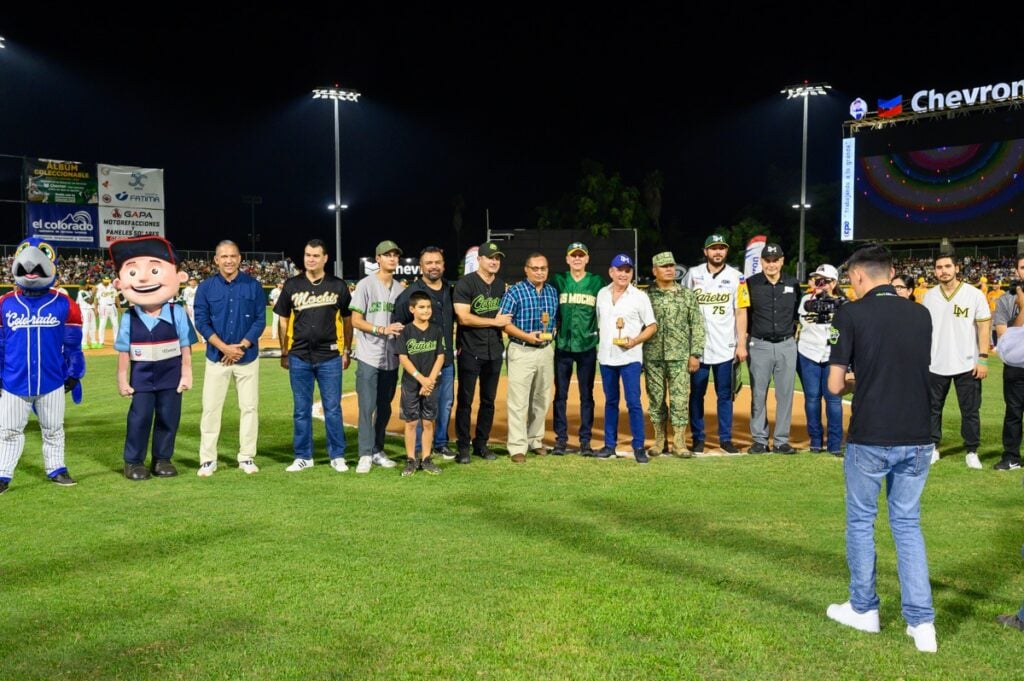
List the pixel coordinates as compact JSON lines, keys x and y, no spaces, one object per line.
{"x":886,"y":339}
{"x":1010,"y":312}
{"x":816,"y":311}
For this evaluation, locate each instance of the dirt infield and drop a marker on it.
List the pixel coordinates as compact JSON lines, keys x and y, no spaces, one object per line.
{"x":741,"y":418}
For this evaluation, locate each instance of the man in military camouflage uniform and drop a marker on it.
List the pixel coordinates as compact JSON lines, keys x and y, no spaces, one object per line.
{"x":672,"y":354}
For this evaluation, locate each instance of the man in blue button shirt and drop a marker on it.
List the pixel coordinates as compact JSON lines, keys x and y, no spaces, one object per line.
{"x":230,"y":314}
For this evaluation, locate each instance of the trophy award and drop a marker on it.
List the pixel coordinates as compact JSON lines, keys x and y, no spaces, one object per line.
{"x":619,"y":340}
{"x":545,"y":319}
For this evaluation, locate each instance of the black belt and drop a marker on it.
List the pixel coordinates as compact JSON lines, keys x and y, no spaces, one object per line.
{"x":542,"y":344}
{"x":772,"y":339}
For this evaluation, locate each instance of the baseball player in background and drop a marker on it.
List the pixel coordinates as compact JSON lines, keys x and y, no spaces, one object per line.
{"x":86,"y":301}
{"x":40,"y":357}
{"x":106,"y":306}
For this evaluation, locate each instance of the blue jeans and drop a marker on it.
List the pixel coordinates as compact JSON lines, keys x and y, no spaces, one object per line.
{"x":327,"y":375}
{"x":445,"y":399}
{"x":585,"y":363}
{"x":723,"y":390}
{"x":905,"y":470}
{"x":814,"y":377}
{"x":630,"y":375}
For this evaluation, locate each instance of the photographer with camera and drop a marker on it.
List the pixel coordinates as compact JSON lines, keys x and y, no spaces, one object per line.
{"x":816,"y":311}
{"x":1010,"y":313}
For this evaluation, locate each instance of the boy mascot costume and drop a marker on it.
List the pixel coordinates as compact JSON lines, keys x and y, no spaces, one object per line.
{"x":154,"y":340}
{"x":40,"y":359}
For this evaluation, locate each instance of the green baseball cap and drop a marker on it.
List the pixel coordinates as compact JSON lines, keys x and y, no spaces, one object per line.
{"x":715,"y":239}
{"x":490,"y":250}
{"x":386,"y":246}
{"x":577,"y":246}
{"x":663,"y":258}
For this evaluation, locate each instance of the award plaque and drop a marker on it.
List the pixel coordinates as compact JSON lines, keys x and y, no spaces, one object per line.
{"x":619,"y":340}
{"x":545,"y":319}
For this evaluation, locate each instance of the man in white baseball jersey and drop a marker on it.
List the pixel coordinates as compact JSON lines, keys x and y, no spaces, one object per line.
{"x":961,"y":323}
{"x":106,"y":306}
{"x":717,"y":286}
{"x":275,"y":293}
{"x":86,"y":301}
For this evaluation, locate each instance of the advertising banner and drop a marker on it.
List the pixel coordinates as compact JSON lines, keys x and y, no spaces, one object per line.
{"x":51,"y":181}
{"x":64,"y":224}
{"x":122,"y":223}
{"x":847,"y":197}
{"x":131,"y":187}
{"x":752,"y":256}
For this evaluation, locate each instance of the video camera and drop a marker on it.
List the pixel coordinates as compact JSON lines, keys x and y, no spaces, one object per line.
{"x":820,"y":310}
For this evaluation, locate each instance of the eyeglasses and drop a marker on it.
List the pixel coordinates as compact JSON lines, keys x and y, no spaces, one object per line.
{"x":901,"y":287}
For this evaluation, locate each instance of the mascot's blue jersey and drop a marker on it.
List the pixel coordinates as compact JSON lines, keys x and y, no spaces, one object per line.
{"x":40,"y":342}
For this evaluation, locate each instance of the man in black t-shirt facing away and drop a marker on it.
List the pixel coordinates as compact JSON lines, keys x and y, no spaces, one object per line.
{"x":480,"y":349}
{"x":421,"y":352}
{"x":886,"y":339}
{"x":313,"y":306}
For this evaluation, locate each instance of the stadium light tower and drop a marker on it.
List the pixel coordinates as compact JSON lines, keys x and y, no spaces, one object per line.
{"x":804,"y":90}
{"x":337,"y":94}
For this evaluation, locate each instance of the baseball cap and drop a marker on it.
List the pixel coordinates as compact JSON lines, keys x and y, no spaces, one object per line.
{"x":490,"y":250}
{"x":663,"y":258}
{"x":622,"y":260}
{"x":577,"y":246}
{"x":828,"y":272}
{"x":386,"y":246}
{"x":123,"y":250}
{"x":715,"y":239}
{"x":772,"y":251}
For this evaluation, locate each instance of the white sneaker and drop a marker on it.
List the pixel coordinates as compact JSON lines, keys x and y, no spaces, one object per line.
{"x":248,"y":466}
{"x":381,"y":459}
{"x":924,"y":637}
{"x":365,"y":463}
{"x":935,"y":455}
{"x":973,"y":461}
{"x":206,"y":469}
{"x":845,"y":614}
{"x":299,"y":465}
{"x":339,"y":464}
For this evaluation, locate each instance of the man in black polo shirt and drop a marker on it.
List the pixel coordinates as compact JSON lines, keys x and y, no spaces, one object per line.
{"x":477,"y":297}
{"x":439,"y":291}
{"x":886,"y":340}
{"x":774,"y":297}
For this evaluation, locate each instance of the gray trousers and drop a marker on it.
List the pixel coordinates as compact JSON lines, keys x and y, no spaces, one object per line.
{"x":375,"y":388}
{"x":768,"y":360}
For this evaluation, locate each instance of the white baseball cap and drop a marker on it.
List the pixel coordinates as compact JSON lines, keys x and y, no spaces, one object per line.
{"x":828,"y":272}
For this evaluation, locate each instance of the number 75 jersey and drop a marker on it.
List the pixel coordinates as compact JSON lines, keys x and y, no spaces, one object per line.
{"x":718,"y":296}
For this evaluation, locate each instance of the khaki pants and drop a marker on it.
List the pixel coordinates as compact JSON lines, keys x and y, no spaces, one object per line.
{"x":215,"y":387}
{"x":531,"y":372}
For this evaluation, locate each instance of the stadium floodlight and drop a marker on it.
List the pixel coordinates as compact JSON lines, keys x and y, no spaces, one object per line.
{"x":332,"y":206}
{"x":336,"y":95}
{"x":806,"y":91}
{"x":2,"y":46}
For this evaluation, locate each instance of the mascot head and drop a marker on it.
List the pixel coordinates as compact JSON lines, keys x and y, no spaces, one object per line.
{"x":35,"y":265}
{"x":147,"y":273}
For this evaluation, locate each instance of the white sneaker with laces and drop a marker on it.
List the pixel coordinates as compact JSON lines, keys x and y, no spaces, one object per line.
{"x":845,"y":614}
{"x":248,"y":466}
{"x":973,"y":461}
{"x":924,"y":637}
{"x":339,"y":464}
{"x":381,"y":459}
{"x":206,"y":469}
{"x":935,"y":456}
{"x":299,"y":465}
{"x":365,"y":464}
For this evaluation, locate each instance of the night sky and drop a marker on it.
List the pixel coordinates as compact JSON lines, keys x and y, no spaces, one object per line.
{"x":500,"y":108}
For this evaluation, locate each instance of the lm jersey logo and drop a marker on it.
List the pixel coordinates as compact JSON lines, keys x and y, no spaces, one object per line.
{"x":964,"y":312}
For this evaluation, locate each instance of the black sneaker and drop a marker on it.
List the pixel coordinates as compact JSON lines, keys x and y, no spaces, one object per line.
{"x":486,"y":454}
{"x":559,"y":449}
{"x":1011,"y":621}
{"x":605,"y":453}
{"x":445,"y":453}
{"x":784,"y":449}
{"x":640,"y":456}
{"x":815,"y":450}
{"x":728,"y":447}
{"x":463,"y":455}
{"x":585,"y":449}
{"x":758,"y":448}
{"x":698,"y":447}
{"x":410,"y":467}
{"x":64,"y":480}
{"x":838,"y":453}
{"x":3,"y":486}
{"x":1008,"y":463}
{"x":428,"y":466}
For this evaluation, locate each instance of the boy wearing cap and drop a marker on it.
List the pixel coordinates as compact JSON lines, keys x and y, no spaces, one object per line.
{"x":373,"y":309}
{"x":576,"y":343}
{"x":672,"y":354}
{"x":154,"y":363}
{"x":774,"y":303}
{"x":480,"y":350}
{"x":625,"y":320}
{"x":716,"y":286}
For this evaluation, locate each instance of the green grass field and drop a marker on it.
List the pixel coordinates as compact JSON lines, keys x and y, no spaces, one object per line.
{"x":564,"y":568}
